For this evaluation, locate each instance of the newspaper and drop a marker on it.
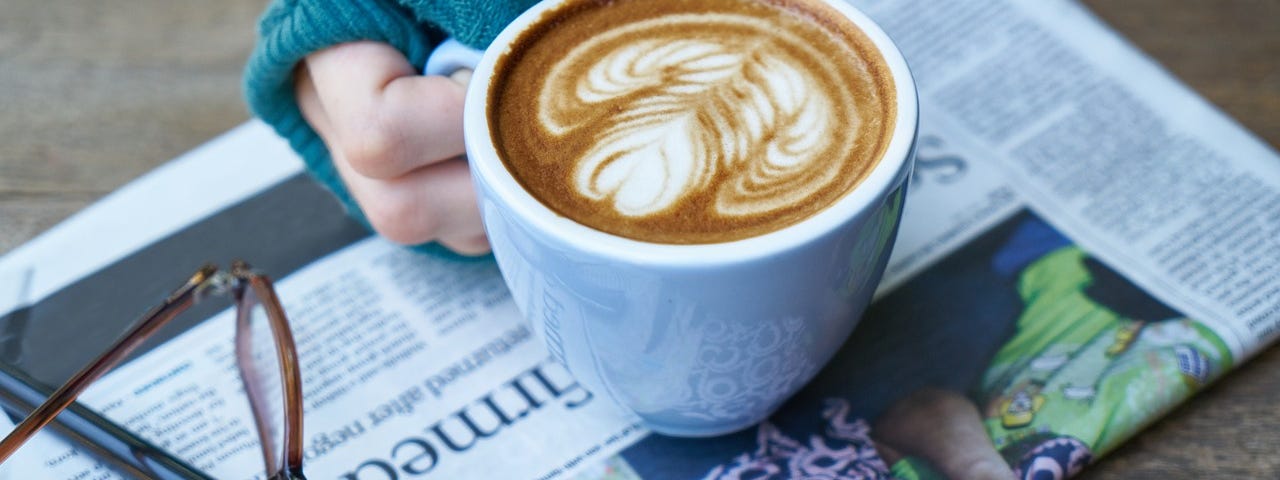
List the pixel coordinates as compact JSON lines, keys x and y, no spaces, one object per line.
{"x":1086,"y":244}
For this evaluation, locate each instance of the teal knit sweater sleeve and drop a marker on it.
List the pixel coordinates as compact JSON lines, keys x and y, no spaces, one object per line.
{"x":289,"y":30}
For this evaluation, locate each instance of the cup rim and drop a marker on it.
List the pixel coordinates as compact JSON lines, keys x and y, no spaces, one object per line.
{"x":489,"y":171}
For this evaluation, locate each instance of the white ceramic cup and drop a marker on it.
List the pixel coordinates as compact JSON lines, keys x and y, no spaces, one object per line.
{"x":697,"y":340}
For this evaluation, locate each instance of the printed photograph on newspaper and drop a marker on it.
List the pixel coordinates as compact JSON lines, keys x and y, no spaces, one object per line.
{"x":1020,"y":348}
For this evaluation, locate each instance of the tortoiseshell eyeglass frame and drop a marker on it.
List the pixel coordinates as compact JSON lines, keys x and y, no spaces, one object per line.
{"x":249,"y":289}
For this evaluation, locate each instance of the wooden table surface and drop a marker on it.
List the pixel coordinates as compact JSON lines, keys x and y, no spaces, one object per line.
{"x":93,"y":94}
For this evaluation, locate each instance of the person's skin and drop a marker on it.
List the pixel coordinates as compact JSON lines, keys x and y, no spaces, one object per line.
{"x":395,"y":137}
{"x":944,"y":428}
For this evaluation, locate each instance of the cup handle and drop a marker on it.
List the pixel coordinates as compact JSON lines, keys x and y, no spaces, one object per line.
{"x":451,"y":56}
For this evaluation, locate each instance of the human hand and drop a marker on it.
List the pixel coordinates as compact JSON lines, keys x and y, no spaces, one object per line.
{"x":395,"y":138}
{"x":944,"y":428}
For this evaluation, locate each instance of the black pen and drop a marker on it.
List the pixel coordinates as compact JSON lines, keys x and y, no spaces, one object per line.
{"x":86,"y":429}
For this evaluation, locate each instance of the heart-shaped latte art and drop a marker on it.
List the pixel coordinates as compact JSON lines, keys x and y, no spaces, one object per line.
{"x":749,"y":116}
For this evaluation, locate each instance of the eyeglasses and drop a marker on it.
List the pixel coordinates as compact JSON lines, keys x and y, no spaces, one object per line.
{"x":264,"y":350}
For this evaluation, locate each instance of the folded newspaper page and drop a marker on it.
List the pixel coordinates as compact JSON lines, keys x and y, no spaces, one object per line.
{"x":1086,"y":244}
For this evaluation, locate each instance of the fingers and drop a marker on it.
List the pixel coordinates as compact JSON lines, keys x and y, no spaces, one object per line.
{"x":469,"y":246}
{"x":383,"y":117}
{"x":398,"y":147}
{"x":309,"y":103}
{"x":434,"y":202}
{"x":945,"y":428}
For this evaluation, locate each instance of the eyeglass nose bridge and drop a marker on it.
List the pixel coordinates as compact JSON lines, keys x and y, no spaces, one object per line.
{"x":218,"y":283}
{"x":213,"y":281}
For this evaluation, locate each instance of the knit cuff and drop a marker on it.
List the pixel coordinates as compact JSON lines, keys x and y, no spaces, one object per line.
{"x":473,"y":23}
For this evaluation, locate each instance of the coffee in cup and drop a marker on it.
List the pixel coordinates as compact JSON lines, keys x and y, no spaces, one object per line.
{"x":681,"y":122}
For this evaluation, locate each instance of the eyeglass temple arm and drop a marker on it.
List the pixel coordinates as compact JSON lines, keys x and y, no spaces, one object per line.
{"x":178,"y":301}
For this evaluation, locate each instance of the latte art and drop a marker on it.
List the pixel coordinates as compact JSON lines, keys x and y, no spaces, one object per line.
{"x":742,"y":110}
{"x":690,"y":122}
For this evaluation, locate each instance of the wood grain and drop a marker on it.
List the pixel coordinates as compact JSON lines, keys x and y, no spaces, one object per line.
{"x":93,"y":94}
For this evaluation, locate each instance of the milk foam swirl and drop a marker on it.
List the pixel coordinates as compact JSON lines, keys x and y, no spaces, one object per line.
{"x":749,"y":115}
